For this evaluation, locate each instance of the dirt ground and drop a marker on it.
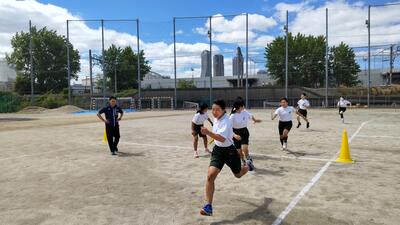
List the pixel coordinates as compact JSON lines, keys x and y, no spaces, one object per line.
{"x":55,"y":170}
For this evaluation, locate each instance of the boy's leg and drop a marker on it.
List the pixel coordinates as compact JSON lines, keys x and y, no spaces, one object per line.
{"x":210,"y":185}
{"x":116,"y":137}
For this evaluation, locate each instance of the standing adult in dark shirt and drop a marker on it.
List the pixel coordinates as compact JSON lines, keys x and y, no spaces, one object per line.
{"x":113,"y":114}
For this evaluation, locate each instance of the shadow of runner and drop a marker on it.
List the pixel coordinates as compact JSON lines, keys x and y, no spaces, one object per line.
{"x":261,"y":171}
{"x":127,"y":154}
{"x":260,"y":213}
{"x":301,"y":153}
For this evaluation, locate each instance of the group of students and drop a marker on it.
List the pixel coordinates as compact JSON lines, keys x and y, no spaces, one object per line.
{"x":230,"y":134}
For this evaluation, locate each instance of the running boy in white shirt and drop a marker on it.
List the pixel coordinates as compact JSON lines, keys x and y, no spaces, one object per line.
{"x":302,"y":106}
{"x":285,"y":113}
{"x":223,"y":153}
{"x":240,"y":118}
{"x":342,"y":104}
{"x":197,"y":123}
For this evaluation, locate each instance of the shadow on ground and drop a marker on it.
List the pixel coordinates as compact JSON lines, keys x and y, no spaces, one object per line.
{"x":261,"y":214}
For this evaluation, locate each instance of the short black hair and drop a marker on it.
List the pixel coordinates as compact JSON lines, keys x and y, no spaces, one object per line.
{"x":304,"y":94}
{"x":221,"y":103}
{"x":111,"y":98}
{"x":202,"y":107}
{"x":285,"y":99}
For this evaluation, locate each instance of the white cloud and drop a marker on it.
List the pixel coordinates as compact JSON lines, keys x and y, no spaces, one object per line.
{"x":234,"y":30}
{"x":15,"y":15}
{"x":347,"y":22}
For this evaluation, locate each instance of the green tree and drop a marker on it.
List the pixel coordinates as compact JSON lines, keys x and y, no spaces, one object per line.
{"x":185,"y":84}
{"x":49,"y":61}
{"x":123,"y":63}
{"x":343,"y":66}
{"x":306,"y":61}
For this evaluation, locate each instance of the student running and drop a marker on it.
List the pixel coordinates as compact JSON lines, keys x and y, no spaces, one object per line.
{"x":240,"y":118}
{"x":302,"y":106}
{"x":113,"y":115}
{"x":342,"y":104}
{"x":224,"y":152}
{"x":197,"y":123}
{"x":285,"y":113}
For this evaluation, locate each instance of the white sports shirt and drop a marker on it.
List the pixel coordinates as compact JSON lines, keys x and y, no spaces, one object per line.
{"x":223,"y":127}
{"x":303,"y":103}
{"x":199,"y":119}
{"x":240,"y":120}
{"x":285,"y":114}
{"x":343,"y":103}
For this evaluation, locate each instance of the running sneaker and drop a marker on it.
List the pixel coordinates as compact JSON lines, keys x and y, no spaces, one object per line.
{"x":196,"y":155}
{"x":116,"y":149}
{"x":250,"y":164}
{"x":113,"y":153}
{"x":342,"y":120}
{"x":284,"y":146}
{"x":206,"y":210}
{"x":308,"y":124}
{"x":298,"y":125}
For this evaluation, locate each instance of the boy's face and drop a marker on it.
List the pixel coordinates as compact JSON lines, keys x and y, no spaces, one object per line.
{"x":113,"y":102}
{"x":217,"y":111}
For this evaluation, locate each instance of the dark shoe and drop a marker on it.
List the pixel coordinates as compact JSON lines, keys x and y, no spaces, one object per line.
{"x":298,"y":125}
{"x":116,"y":149}
{"x":308,"y":125}
{"x":113,"y":153}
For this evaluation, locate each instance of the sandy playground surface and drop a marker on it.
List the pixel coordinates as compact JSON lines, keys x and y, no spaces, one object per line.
{"x":55,"y":170}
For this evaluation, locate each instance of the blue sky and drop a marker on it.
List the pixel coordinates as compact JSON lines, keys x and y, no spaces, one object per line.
{"x":346,"y":23}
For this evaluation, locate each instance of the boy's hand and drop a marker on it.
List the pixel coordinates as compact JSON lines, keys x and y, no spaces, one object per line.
{"x":204,"y":131}
{"x":106,"y":122}
{"x":237,"y":137}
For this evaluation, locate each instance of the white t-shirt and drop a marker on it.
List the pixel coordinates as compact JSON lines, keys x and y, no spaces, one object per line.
{"x":223,"y":127}
{"x":199,"y":118}
{"x":285,"y":114}
{"x":343,"y":103}
{"x":303,"y":103}
{"x":240,"y":120}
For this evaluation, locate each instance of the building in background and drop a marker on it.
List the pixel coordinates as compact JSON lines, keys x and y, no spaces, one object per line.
{"x":237,"y":63}
{"x":205,"y":63}
{"x":7,"y":76}
{"x":218,"y":65}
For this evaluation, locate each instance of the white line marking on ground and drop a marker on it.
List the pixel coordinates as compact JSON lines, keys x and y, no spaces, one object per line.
{"x":310,"y":184}
{"x":368,"y":136}
{"x":255,"y":154}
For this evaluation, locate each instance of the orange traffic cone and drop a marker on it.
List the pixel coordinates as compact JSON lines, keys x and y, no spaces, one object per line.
{"x":344,"y":156}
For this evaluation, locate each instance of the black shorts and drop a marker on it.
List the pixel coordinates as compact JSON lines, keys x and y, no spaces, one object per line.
{"x":284,"y":125}
{"x":226,"y":155}
{"x":244,"y":134}
{"x":342,"y":109}
{"x":197,"y":130}
{"x":303,"y":112}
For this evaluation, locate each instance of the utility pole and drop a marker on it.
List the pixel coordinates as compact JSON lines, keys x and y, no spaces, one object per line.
{"x":286,"y":53}
{"x":31,"y":61}
{"x":91,"y":72}
{"x":326,"y":60}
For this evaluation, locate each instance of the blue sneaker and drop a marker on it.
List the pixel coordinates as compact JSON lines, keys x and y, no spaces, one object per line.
{"x":206,"y":210}
{"x":250,"y":164}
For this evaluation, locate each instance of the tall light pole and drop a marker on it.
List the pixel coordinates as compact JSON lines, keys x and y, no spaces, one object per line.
{"x":286,"y":53}
{"x":175,"y":94}
{"x":247,"y":60}
{"x":31,"y":61}
{"x":138,"y":63}
{"x":210,"y":61}
{"x":368,"y":22}
{"x":326,"y":60}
